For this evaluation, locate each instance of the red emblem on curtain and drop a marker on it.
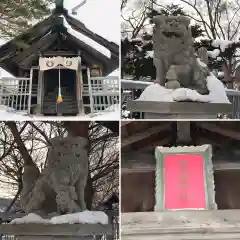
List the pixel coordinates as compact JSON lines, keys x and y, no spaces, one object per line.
{"x":184,"y":182}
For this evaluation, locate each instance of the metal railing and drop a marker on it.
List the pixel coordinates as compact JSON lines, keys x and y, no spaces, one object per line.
{"x":103,"y":93}
{"x":113,"y":220}
{"x":131,"y":90}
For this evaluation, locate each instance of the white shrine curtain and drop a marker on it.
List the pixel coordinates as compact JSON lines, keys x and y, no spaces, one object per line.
{"x":50,"y":63}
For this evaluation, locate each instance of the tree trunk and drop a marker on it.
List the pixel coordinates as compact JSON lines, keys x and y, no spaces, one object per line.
{"x":22,"y":148}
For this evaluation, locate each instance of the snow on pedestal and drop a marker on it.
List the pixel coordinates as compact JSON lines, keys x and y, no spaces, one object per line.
{"x":85,"y":217}
{"x":30,"y":218}
{"x":217,"y":93}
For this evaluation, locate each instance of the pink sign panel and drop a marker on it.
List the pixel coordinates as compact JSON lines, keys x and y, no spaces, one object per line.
{"x":184,"y":182}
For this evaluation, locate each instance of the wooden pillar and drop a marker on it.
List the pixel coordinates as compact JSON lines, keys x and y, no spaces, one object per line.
{"x":40,"y":93}
{"x":183,"y":133}
{"x":79,"y":91}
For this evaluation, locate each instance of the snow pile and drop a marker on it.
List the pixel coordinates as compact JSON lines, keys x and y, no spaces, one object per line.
{"x":217,"y":93}
{"x":149,"y":54}
{"x":222,"y":44}
{"x":213,"y":54}
{"x":7,"y":113}
{"x":88,"y":217}
{"x":86,"y":39}
{"x":85,"y":217}
{"x":110,"y":113}
{"x":30,"y":218}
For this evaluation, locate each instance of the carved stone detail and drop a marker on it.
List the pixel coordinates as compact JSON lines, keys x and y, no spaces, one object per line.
{"x":173,"y":45}
{"x":60,"y":187}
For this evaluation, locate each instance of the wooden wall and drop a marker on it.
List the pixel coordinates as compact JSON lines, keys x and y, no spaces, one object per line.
{"x":138,"y":190}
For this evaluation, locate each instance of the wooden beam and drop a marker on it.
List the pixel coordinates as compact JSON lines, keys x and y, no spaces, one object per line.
{"x":214,"y":128}
{"x":124,"y":123}
{"x":204,"y":140}
{"x":145,"y":134}
{"x":34,"y":49}
{"x":138,"y":169}
{"x":161,"y":142}
{"x":226,"y":166}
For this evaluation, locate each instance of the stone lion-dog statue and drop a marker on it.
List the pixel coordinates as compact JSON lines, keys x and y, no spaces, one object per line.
{"x":59,"y":189}
{"x":173,"y":49}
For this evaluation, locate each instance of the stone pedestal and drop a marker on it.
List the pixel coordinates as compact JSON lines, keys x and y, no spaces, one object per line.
{"x":179,"y":110}
{"x":175,"y":225}
{"x":40,"y":231}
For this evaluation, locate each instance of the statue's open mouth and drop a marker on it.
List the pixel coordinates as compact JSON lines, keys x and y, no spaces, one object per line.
{"x":172,"y":34}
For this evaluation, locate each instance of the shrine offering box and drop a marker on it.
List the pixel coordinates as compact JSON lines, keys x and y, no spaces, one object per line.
{"x":184,"y":178}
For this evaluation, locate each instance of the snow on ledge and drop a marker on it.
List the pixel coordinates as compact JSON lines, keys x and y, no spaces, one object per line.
{"x":85,"y":217}
{"x":217,"y":93}
{"x":30,"y":218}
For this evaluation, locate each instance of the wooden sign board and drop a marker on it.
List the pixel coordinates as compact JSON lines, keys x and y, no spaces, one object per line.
{"x":96,"y":71}
{"x":184,"y":178}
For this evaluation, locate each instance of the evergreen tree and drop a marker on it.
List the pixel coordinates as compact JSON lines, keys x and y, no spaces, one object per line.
{"x":18,"y":15}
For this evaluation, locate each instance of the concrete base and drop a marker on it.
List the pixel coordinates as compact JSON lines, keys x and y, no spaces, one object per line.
{"x":179,"y":110}
{"x":53,"y":238}
{"x":175,"y":225}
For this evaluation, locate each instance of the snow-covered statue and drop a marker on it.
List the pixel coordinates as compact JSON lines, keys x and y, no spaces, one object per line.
{"x":60,"y":187}
{"x":173,"y":49}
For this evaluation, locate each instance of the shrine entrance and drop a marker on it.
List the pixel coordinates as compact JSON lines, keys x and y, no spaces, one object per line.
{"x":60,"y":86}
{"x":68,"y":91}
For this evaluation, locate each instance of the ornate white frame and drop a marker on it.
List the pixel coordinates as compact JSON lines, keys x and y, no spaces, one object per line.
{"x":206,"y":152}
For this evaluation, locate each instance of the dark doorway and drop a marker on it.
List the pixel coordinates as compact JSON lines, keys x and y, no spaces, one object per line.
{"x":68,"y":91}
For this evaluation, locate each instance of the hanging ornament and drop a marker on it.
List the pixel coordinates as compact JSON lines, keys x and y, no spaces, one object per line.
{"x":59,"y":98}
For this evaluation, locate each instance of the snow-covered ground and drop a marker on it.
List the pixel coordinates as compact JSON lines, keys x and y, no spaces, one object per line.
{"x":111,"y":113}
{"x":85,"y":217}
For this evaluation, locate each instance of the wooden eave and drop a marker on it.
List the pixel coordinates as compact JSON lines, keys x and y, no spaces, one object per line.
{"x":36,"y":39}
{"x":139,"y":135}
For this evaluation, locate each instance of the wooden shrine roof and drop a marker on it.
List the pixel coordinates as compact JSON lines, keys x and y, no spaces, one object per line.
{"x":22,"y":51}
{"x":145,"y":136}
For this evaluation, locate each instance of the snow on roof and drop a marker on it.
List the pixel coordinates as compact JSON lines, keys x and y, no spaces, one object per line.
{"x":221,"y":43}
{"x":86,"y":39}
